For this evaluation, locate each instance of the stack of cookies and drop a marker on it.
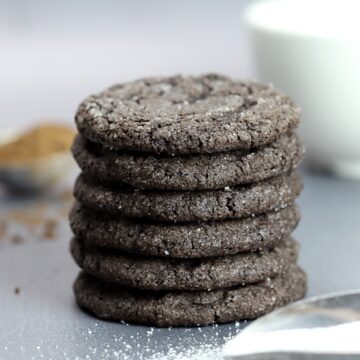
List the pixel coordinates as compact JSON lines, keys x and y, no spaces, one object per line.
{"x":185,"y":204}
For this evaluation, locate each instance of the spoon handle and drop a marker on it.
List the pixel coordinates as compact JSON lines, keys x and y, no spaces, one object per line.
{"x":294,"y":356}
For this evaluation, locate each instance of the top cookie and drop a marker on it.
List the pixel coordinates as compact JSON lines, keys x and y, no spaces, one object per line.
{"x":185,"y":115}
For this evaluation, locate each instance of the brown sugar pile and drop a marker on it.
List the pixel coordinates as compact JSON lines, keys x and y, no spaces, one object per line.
{"x":41,"y":141}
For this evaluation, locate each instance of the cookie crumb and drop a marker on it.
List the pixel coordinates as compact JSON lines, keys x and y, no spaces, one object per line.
{"x":17,"y":239}
{"x":50,"y":227}
{"x":3,"y":228}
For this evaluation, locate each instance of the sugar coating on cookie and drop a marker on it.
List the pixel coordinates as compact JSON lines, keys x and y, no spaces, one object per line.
{"x":191,"y":172}
{"x":188,"y":308}
{"x":186,"y":202}
{"x":183,"y":240}
{"x":183,"y":115}
{"x":180,"y":206}
{"x":184,"y":274}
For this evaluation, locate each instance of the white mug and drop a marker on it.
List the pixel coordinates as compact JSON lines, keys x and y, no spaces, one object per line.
{"x":311,"y":50}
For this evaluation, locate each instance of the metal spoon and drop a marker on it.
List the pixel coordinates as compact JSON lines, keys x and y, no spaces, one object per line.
{"x":326,"y":311}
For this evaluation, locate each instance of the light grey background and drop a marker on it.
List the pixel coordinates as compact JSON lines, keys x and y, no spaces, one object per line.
{"x":54,"y":53}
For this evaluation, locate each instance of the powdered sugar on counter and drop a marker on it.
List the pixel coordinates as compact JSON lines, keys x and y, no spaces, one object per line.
{"x":336,"y":339}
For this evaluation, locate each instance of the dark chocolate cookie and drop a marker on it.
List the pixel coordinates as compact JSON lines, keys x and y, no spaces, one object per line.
{"x":177,"y":206}
{"x":183,"y":240}
{"x":189,"y":274}
{"x":188,"y":308}
{"x":185,"y":115}
{"x":192,"y":172}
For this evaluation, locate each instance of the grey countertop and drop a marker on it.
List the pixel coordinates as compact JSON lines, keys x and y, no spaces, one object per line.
{"x":42,"y":320}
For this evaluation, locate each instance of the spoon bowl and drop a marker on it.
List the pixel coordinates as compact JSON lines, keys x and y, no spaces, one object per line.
{"x":326,"y":312}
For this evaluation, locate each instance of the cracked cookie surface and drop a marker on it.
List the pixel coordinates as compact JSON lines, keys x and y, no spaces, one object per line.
{"x":188,"y":308}
{"x":183,"y":240}
{"x":191,"y":172}
{"x":180,"y":206}
{"x":186,"y":115}
{"x":174,"y":274}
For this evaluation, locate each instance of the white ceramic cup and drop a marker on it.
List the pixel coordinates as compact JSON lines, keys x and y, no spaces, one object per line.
{"x":311,"y":50}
